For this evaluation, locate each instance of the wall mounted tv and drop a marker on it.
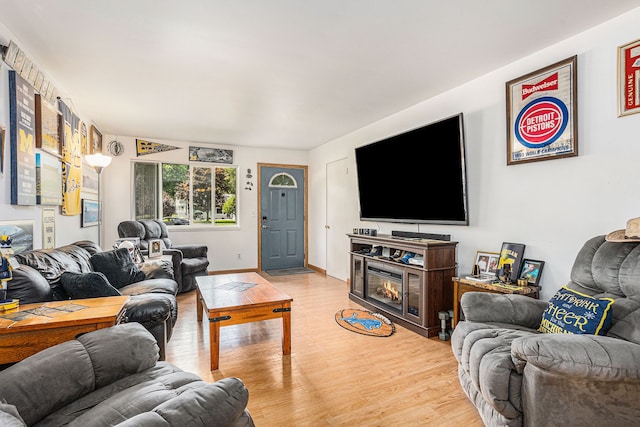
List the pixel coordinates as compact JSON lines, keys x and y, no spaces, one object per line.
{"x":418,"y":176}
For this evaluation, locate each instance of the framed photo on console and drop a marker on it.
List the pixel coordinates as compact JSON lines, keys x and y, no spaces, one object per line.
{"x":512,"y":254}
{"x":487,"y":263}
{"x":155,"y":248}
{"x":531,"y":270}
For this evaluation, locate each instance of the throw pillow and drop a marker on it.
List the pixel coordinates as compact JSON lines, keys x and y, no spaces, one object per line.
{"x":118,"y":266}
{"x":87,"y":285}
{"x":571,"y":312}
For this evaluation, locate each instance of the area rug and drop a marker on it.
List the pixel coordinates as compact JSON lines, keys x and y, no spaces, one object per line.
{"x":287,"y":271}
{"x":365,"y":322}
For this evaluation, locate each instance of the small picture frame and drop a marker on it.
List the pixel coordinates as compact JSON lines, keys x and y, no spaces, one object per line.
{"x":90,"y":213}
{"x":95,"y":140}
{"x":531,"y":271}
{"x":155,"y":248}
{"x":487,"y":262}
{"x":512,"y":254}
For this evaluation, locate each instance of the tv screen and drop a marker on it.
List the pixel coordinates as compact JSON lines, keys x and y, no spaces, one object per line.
{"x":415,"y":177}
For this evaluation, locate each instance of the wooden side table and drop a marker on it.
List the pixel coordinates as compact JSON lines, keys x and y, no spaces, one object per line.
{"x":461,"y":286}
{"x":33,"y":327}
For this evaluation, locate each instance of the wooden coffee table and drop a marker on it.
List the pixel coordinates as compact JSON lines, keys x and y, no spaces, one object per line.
{"x":230,"y":299}
{"x":33,"y":327}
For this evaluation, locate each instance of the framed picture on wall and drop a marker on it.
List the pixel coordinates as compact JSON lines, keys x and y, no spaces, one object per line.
{"x":21,"y":233}
{"x":48,"y":228}
{"x":542,"y":114}
{"x":48,"y":127}
{"x":629,"y":78}
{"x":90,"y":213}
{"x":95,"y":140}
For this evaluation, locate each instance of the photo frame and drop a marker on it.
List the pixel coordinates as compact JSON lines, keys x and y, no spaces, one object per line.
{"x":155,"y":248}
{"x":487,"y":262}
{"x":134,"y":240}
{"x":542,"y":114}
{"x":90,"y":213}
{"x":512,"y":254}
{"x":629,"y":79}
{"x":95,"y":140}
{"x":48,"y":228}
{"x":48,"y":127}
{"x":211,"y":155}
{"x":531,"y":271}
{"x":21,"y":233}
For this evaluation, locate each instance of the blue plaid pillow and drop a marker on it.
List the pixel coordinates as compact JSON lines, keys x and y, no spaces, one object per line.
{"x":571,"y":312}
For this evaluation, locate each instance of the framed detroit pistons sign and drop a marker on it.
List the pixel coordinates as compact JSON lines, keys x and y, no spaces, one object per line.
{"x":542,"y":121}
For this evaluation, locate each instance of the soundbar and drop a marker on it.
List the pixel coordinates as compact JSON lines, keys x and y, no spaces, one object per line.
{"x":412,"y":234}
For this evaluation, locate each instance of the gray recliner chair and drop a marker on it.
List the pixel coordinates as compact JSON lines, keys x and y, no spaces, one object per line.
{"x":517,"y":376}
{"x":189,"y":261}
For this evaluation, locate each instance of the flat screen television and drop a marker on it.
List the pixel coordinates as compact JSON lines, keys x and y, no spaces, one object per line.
{"x":418,"y":176}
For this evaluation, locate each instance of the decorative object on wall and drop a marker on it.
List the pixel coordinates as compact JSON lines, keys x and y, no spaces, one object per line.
{"x":84,"y":138}
{"x":510,"y":261}
{"x":90,"y":213}
{"x":2,"y":132}
{"x":95,"y":138}
{"x":629,"y":78}
{"x":21,"y":64}
{"x":531,"y":271}
{"x":48,"y":228}
{"x":115,"y":148}
{"x":211,"y":155}
{"x":48,"y":126}
{"x":21,"y":233}
{"x":249,"y":176}
{"x":48,"y":180}
{"x":147,"y":147}
{"x":90,"y":179}
{"x":23,"y":157}
{"x":542,"y":114}
{"x":71,"y":162}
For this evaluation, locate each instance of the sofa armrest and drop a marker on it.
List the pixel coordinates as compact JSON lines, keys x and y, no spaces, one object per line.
{"x":502,"y":308}
{"x":192,"y":251}
{"x":217,"y":404}
{"x":585,"y":356}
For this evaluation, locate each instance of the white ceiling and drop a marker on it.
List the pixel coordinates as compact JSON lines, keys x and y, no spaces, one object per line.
{"x":276,"y":73}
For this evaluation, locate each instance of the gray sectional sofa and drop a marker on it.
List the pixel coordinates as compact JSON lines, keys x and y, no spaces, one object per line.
{"x":112,"y":377}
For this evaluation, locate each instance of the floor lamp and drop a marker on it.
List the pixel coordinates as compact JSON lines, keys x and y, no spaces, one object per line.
{"x":98,"y":161}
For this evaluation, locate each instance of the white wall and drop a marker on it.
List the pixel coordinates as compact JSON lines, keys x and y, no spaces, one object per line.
{"x":551,"y":206}
{"x":224,"y":243}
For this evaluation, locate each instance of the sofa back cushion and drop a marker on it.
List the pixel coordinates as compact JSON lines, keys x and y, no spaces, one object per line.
{"x":118,"y":266}
{"x":87,"y":285}
{"x":28,"y":285}
{"x":611,"y":270}
{"x":59,"y":375}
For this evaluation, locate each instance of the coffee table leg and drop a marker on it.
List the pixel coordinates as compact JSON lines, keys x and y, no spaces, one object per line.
{"x":199,"y":305}
{"x":214,"y":344}
{"x":286,"y":332}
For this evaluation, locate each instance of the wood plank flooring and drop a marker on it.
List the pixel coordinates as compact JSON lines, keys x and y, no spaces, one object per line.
{"x":333,"y":377}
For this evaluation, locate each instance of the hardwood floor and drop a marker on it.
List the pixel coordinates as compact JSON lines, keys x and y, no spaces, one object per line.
{"x":333,"y":377}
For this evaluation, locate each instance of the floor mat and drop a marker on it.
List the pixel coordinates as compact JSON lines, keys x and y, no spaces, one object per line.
{"x":286,"y":271}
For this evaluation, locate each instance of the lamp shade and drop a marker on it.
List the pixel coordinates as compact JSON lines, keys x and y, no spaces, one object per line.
{"x":99,"y":161}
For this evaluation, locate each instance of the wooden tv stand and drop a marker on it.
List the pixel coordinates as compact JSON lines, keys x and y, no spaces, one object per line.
{"x":426,"y":289}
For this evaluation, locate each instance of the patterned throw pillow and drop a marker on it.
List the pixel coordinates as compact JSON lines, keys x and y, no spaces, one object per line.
{"x":571,"y":312}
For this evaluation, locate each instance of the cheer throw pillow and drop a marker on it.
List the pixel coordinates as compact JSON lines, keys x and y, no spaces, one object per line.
{"x":570,"y":312}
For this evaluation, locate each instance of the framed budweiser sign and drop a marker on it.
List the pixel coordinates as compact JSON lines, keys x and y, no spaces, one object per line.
{"x":542,"y":117}
{"x":629,"y":78}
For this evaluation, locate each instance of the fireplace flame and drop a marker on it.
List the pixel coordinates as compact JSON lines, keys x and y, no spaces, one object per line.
{"x":390,"y":291}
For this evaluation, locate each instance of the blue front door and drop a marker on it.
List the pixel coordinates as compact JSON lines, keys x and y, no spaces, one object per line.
{"x":282,"y":217}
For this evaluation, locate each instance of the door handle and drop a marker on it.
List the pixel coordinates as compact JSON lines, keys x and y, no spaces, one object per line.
{"x":264,"y":227}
